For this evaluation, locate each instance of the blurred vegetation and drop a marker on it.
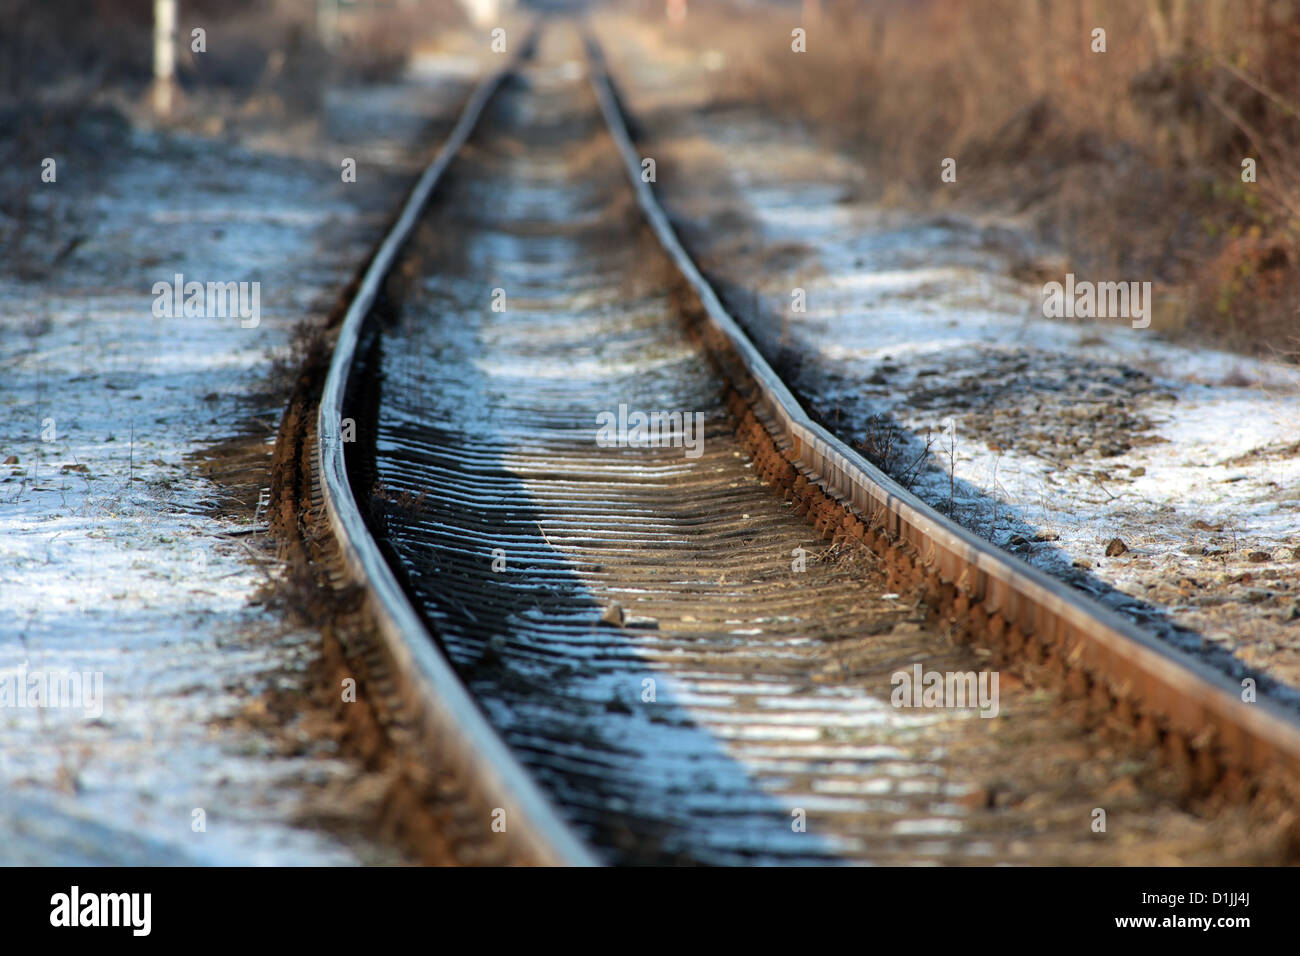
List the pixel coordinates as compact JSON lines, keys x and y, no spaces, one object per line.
{"x":48,"y":46}
{"x":74,"y":72}
{"x":1130,"y":160}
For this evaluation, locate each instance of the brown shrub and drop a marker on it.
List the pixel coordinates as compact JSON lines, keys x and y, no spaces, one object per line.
{"x":1130,"y":160}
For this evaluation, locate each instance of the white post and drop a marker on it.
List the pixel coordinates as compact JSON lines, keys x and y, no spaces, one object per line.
{"x":164,"y":55}
{"x":484,"y":13}
{"x":327,"y":23}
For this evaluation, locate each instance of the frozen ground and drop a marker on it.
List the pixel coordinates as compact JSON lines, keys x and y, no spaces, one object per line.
{"x":118,"y":560}
{"x":1053,"y":438}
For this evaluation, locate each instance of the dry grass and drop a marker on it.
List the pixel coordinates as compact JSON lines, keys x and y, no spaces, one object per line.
{"x":1130,"y":160}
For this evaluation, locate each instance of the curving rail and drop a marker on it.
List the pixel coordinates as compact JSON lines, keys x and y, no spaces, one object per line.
{"x":450,"y":714}
{"x":1020,"y":603}
{"x":1008,"y":603}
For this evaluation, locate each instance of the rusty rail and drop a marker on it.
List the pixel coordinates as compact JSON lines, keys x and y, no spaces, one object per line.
{"x":1009,"y":604}
{"x":1018,"y":608}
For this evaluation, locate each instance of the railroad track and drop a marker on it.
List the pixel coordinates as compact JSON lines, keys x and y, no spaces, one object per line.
{"x":685,"y":652}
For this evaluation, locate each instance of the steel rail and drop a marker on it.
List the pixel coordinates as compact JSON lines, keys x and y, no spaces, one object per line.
{"x":465,"y":737}
{"x":1191,"y":696}
{"x":1184,"y":691}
